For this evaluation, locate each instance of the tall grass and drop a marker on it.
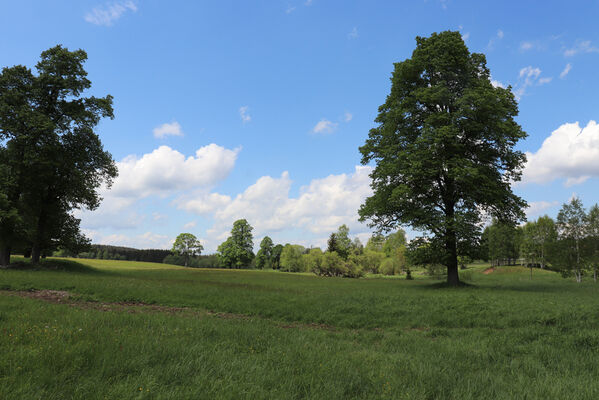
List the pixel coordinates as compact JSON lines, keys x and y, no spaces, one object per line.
{"x":278,"y":335}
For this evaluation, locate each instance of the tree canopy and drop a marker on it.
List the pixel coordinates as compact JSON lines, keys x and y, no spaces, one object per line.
{"x":237,"y":251}
{"x":187,"y":246}
{"x":51,"y":160}
{"x":444,"y":149}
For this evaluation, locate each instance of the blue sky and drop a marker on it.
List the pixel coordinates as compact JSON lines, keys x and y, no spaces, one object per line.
{"x":256,"y":109}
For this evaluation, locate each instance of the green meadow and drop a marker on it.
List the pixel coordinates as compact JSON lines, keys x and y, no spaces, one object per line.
{"x":97,"y":329}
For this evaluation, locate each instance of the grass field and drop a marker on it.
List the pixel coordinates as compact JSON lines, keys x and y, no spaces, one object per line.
{"x":152,"y":331}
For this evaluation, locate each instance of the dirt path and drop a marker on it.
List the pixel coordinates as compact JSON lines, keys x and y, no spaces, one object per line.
{"x":67,"y":298}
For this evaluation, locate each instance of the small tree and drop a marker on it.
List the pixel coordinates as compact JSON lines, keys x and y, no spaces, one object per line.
{"x":264,"y":256}
{"x":291,"y":258}
{"x":187,"y":245}
{"x":571,"y":226}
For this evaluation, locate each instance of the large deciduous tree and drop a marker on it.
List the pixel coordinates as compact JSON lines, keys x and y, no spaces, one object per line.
{"x":444,"y":149}
{"x":237,"y":250}
{"x":51,"y":160}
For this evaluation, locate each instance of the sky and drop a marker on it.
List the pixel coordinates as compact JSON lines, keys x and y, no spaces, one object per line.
{"x":256,"y":109}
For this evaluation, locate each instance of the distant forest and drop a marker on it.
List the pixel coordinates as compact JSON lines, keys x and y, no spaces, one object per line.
{"x":105,"y":252}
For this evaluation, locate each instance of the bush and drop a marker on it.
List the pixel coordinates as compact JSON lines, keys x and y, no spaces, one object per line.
{"x":333,"y":265}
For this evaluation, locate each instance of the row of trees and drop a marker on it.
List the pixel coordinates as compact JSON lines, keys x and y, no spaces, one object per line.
{"x":51,"y":160}
{"x":106,"y":252}
{"x":569,"y":244}
{"x":343,"y":256}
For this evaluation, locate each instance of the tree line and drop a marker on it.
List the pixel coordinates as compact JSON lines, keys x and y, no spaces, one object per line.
{"x":569,"y":244}
{"x":343,"y":257}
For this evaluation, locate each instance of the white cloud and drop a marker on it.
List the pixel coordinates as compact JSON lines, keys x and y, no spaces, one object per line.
{"x":566,"y":71}
{"x":203,"y":203}
{"x":190,"y":225}
{"x":496,"y":83}
{"x":353,"y":34}
{"x":538,"y":207}
{"x":165,"y":170}
{"x":308,"y":3}
{"x":528,"y":76}
{"x":465,"y":36}
{"x":243,"y":113}
{"x":583,"y":46}
{"x":321,"y":207}
{"x":570,"y":153}
{"x":108,"y":13}
{"x":325,"y":126}
{"x":500,"y":34}
{"x":164,"y":130}
{"x":347,"y":117}
{"x":290,"y":9}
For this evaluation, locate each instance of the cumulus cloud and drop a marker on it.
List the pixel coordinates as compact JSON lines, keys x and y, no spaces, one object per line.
{"x":166,"y":170}
{"x":566,"y":71}
{"x":325,"y":126}
{"x":243,"y":113}
{"x":582,"y":46}
{"x":321,"y":207}
{"x":163,"y":172}
{"x":570,"y":153}
{"x":108,"y":13}
{"x":203,"y":203}
{"x":164,"y":130}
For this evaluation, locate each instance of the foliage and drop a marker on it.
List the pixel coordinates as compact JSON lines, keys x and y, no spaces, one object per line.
{"x":237,"y":250}
{"x":207,"y":261}
{"x":537,"y":238}
{"x":265,"y":255}
{"x":291,"y":258}
{"x":504,"y":242}
{"x":276,"y":256}
{"x":376,"y":241}
{"x":592,"y":233}
{"x":569,"y":254}
{"x":313,"y":260}
{"x":187,"y":245}
{"x":334,"y":265}
{"x":444,"y":149}
{"x":51,"y":160}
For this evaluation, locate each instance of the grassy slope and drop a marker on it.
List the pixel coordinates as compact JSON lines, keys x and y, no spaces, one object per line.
{"x":504,"y":337}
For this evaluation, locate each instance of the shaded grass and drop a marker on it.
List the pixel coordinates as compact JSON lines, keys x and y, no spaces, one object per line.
{"x":503,"y":336}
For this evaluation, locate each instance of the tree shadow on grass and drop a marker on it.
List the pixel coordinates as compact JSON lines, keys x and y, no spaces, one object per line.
{"x":57,"y":265}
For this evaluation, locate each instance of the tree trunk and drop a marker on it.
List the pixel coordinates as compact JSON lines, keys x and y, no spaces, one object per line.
{"x":4,"y":256}
{"x":453,"y":277}
{"x":35,"y":253}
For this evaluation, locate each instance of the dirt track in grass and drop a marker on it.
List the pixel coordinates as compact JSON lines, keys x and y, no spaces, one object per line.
{"x":67,"y":298}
